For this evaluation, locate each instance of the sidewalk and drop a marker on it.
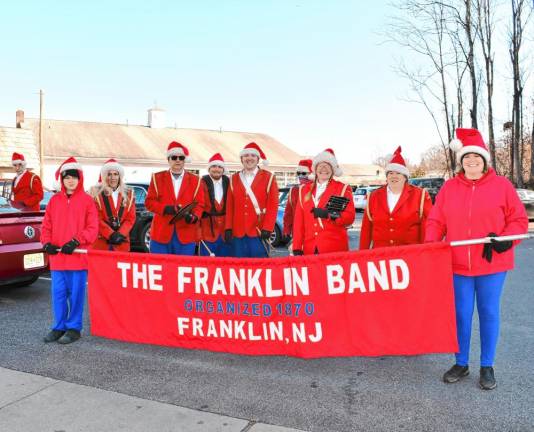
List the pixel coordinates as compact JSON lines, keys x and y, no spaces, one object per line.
{"x":35,"y":403}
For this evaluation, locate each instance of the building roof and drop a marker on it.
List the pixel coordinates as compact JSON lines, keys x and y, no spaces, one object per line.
{"x":20,"y":141}
{"x":142,"y":144}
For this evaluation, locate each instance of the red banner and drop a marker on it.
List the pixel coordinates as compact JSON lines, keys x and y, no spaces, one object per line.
{"x":388,"y":301}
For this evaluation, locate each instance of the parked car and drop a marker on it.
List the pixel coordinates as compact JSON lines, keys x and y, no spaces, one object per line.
{"x":431,"y":184}
{"x":22,"y":259}
{"x":360,"y":196}
{"x":140,"y":233}
{"x":527,"y":198}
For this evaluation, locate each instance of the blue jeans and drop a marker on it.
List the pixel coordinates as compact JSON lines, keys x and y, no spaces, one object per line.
{"x":248,"y":247}
{"x":487,"y":290}
{"x":68,"y":298}
{"x":174,"y":247}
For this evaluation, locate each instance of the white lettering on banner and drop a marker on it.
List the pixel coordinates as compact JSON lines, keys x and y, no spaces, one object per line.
{"x":201,"y":279}
{"x":395,"y":270}
{"x":182,"y":278}
{"x":148,"y":275}
{"x":248,"y":330}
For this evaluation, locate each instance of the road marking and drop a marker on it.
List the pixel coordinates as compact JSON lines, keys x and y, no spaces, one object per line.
{"x":45,"y":278}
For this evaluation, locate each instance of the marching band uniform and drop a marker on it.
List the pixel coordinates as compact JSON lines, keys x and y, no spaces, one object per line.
{"x":116,"y":211}
{"x":27,"y":191}
{"x":313,"y":235}
{"x":304,"y":167}
{"x":213,"y":218}
{"x":252,"y":206}
{"x":174,"y":190}
{"x":393,"y":220}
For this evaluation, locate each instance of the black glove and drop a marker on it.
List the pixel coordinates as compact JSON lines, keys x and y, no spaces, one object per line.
{"x":487,"y":252}
{"x":190,"y":218}
{"x":68,"y":248}
{"x":228,"y":236}
{"x":500,"y":246}
{"x":116,"y":238}
{"x":298,"y":253}
{"x":319,"y":213}
{"x":169,"y":210}
{"x":286,"y":238}
{"x":51,"y":249}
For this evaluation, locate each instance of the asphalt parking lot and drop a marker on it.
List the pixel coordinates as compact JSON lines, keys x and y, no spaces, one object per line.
{"x":331,"y":394}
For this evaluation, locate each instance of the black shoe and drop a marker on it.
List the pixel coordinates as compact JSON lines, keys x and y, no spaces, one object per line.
{"x":53,"y":335}
{"x":69,"y":337}
{"x":455,"y":373}
{"x":487,"y":378}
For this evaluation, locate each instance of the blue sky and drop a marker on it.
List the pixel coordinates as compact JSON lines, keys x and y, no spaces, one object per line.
{"x":312,"y":74}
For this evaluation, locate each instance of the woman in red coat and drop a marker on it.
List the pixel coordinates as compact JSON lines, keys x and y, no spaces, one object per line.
{"x":477,"y":203}
{"x":396,"y":213}
{"x":116,"y":209}
{"x":315,"y":228}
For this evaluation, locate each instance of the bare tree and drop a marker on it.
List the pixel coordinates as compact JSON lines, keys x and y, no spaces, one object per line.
{"x":486,"y":26}
{"x":520,"y":16}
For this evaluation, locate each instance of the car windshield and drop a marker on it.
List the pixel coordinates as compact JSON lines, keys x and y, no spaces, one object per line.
{"x":361,"y":191}
{"x":6,"y":208}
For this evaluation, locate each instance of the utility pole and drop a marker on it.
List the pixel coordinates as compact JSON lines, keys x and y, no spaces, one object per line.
{"x":41,"y":143}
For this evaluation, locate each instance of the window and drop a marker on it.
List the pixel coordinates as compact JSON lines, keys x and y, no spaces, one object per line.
{"x":140,"y":195}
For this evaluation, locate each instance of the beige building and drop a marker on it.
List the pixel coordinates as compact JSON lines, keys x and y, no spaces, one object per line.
{"x":142,"y":149}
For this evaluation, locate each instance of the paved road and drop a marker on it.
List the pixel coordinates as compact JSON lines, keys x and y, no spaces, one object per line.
{"x":334,"y":394}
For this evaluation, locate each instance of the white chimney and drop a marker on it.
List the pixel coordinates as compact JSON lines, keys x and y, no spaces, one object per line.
{"x":156,"y":118}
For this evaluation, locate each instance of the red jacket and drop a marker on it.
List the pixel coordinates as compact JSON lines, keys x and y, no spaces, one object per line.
{"x":66,"y":218}
{"x":405,"y":225}
{"x":241,"y":216}
{"x":213,"y":219}
{"x":467,"y":209}
{"x":289,"y":211}
{"x":126,"y":223}
{"x":28,"y":192}
{"x":325,"y":235}
{"x":161,"y":194}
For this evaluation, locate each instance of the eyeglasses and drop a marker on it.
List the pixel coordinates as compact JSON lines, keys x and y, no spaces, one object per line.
{"x":173,"y":158}
{"x":301,"y":173}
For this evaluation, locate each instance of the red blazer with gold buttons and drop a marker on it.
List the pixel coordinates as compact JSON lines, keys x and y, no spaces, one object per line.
{"x":241,"y":216}
{"x":213,"y":225}
{"x":127,"y":221}
{"x":405,"y":225}
{"x":161,"y":193}
{"x":324,"y":235}
{"x":28,"y":192}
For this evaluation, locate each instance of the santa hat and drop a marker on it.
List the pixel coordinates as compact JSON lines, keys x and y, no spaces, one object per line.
{"x":18,"y":158}
{"x":305,"y":165}
{"x":110,"y":165}
{"x":254,"y":149}
{"x":329,"y":157}
{"x":469,"y":141}
{"x":217,"y":160}
{"x":177,"y":149}
{"x":68,"y":164}
{"x":397,"y":163}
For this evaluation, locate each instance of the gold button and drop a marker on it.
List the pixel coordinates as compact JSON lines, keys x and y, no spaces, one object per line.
{"x":391,"y":229}
{"x":390,"y":219}
{"x":391,"y":241}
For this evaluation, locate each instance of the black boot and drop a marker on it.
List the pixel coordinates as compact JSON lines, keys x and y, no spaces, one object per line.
{"x":455,"y":373}
{"x":69,"y":337}
{"x":53,"y":335}
{"x":487,"y":378}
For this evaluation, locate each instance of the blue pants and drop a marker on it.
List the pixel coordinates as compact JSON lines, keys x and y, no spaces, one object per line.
{"x":218,"y":247}
{"x":174,"y":247}
{"x":248,"y":247}
{"x":487,"y":289}
{"x":68,"y":298}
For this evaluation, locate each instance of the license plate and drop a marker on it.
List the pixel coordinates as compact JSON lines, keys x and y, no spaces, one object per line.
{"x":33,"y":260}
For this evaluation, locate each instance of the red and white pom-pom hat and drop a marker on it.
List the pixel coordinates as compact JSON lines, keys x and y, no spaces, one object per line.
{"x":254,"y":149}
{"x":111,"y":165}
{"x":397,"y":163}
{"x":329,"y":157}
{"x":217,"y":160}
{"x":305,"y":166}
{"x":18,"y":158}
{"x":177,"y":149}
{"x":68,"y":164}
{"x":469,"y":141}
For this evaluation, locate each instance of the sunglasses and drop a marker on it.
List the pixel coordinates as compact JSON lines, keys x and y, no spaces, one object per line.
{"x":302,"y":173}
{"x":173,"y":158}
